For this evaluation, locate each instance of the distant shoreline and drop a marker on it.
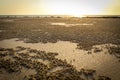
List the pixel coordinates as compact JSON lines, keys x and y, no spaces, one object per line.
{"x":58,"y":16}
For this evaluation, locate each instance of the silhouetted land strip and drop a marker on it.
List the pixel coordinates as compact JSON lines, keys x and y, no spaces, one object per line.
{"x":58,"y":16}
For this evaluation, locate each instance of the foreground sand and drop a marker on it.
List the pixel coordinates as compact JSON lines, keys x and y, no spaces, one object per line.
{"x":29,"y":64}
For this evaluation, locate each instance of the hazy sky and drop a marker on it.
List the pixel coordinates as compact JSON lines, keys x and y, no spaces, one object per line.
{"x":60,"y":7}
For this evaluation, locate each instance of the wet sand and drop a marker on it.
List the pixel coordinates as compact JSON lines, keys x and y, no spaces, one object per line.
{"x":98,"y":58}
{"x":48,"y":48}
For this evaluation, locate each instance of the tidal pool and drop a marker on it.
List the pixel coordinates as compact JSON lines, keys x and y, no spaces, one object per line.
{"x":101,"y":61}
{"x":1,"y":31}
{"x":70,"y":25}
{"x":16,"y":76}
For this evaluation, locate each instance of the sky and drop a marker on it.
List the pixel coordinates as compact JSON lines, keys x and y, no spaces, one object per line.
{"x":60,"y":7}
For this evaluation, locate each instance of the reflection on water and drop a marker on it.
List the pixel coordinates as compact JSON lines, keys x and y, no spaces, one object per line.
{"x":55,"y":69}
{"x":1,"y":31}
{"x":37,"y":30}
{"x":69,"y":25}
{"x":8,"y":20}
{"x":16,"y":76}
{"x":100,"y":59}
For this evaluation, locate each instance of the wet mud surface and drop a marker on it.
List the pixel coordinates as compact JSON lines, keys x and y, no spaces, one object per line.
{"x":18,"y":64}
{"x":59,"y":48}
{"x":84,"y":31}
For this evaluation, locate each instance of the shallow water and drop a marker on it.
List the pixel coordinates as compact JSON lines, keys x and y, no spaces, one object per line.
{"x":16,"y":76}
{"x":8,"y":20}
{"x":70,"y":25}
{"x":1,"y":31}
{"x":104,"y":63}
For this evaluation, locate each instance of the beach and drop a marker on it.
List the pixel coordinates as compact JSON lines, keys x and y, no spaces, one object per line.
{"x":59,"y":48}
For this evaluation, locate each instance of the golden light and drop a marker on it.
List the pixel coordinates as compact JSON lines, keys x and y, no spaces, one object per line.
{"x":78,"y":15}
{"x":72,"y":8}
{"x":76,"y":8}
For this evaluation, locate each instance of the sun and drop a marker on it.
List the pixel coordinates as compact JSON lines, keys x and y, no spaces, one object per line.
{"x":63,"y":8}
{"x":72,"y":8}
{"x":78,"y":15}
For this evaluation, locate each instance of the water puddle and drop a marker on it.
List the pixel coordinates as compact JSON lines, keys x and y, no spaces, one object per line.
{"x":46,"y":62}
{"x":55,"y":69}
{"x":39,"y":30}
{"x":99,"y":58}
{"x":8,"y":20}
{"x":70,"y":25}
{"x":16,"y":76}
{"x":1,"y":30}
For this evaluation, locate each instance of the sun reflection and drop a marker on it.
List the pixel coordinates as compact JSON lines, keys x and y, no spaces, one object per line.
{"x":78,"y":15}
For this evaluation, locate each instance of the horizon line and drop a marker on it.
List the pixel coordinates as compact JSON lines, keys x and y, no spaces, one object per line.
{"x":59,"y":15}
